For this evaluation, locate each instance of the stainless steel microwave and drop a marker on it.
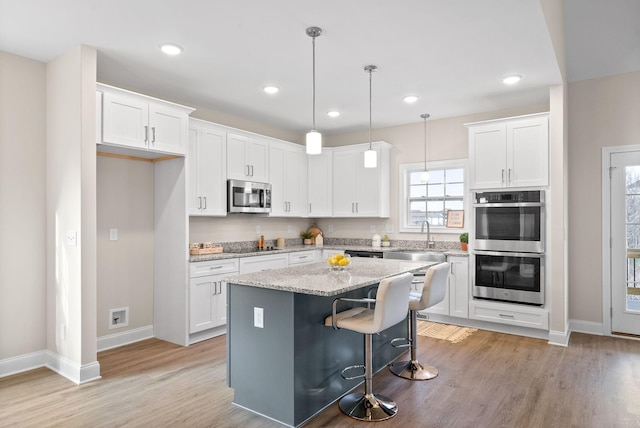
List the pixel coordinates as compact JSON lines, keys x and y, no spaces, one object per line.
{"x":248,"y":197}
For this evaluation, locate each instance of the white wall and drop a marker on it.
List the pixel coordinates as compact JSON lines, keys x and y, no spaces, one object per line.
{"x":22,"y":206}
{"x":125,"y":191}
{"x":603,"y":112}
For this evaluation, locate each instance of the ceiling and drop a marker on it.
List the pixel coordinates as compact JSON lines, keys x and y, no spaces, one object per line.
{"x":452,"y":54}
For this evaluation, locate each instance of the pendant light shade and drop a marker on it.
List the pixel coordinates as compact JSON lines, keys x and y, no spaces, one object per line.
{"x":370,"y":156}
{"x":314,"y":138}
{"x":314,"y":142}
{"x":424,"y":177}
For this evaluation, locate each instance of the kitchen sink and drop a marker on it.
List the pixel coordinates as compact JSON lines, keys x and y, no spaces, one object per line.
{"x":416,"y":255}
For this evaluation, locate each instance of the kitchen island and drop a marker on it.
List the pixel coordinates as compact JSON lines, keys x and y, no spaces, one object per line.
{"x":282,"y":362}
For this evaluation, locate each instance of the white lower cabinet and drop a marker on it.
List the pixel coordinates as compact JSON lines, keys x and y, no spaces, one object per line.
{"x":456,"y":301}
{"x":208,"y":293}
{"x":506,"y":313}
{"x":262,"y":263}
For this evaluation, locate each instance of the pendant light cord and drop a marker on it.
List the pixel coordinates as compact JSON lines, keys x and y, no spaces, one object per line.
{"x":425,"y":116}
{"x":314,"y":81}
{"x":370,"y":73}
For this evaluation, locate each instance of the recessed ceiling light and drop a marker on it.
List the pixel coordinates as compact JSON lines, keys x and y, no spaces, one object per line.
{"x":510,"y":80}
{"x":271,"y":89}
{"x":411,"y":99}
{"x":333,"y":113}
{"x":171,"y":49}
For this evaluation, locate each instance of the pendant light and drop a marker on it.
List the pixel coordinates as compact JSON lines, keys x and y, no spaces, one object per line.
{"x":314,"y":138}
{"x":370,"y":156}
{"x":424,"y":177}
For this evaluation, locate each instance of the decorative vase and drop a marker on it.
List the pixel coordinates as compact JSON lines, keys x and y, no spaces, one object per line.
{"x":464,"y":246}
{"x":307,"y":241}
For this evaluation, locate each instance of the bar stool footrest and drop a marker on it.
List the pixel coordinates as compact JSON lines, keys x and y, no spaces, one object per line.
{"x":394,"y":342}
{"x":358,"y":366}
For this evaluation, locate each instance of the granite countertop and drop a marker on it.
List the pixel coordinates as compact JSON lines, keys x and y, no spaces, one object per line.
{"x":295,"y":248}
{"x":320,"y":280}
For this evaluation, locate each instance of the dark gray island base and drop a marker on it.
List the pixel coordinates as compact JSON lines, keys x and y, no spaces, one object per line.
{"x":289,"y":369}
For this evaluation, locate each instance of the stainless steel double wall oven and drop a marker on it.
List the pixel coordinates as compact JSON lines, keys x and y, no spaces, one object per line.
{"x":508,"y":246}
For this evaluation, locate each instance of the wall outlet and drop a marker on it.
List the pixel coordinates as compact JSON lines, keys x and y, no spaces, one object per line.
{"x":258,"y":317}
{"x":388,"y":228}
{"x":258,"y":228}
{"x":330,"y":228}
{"x":113,"y":234}
{"x":372,"y":228}
{"x":289,"y":229}
{"x":71,"y":238}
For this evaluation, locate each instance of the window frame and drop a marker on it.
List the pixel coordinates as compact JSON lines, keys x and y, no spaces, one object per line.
{"x":403,"y":191}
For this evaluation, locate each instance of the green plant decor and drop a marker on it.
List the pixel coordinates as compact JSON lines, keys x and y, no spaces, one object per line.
{"x":305,"y":234}
{"x":464,"y":237}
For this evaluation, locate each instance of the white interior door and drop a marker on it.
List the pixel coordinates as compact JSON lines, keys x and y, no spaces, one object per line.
{"x":625,"y":242}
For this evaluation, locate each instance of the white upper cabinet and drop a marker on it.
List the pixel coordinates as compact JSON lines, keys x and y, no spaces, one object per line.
{"x":135,"y":121}
{"x":360,"y":191}
{"x":512,"y":152}
{"x":320,"y":179}
{"x":247,"y":158}
{"x":206,"y":169}
{"x":288,"y":178}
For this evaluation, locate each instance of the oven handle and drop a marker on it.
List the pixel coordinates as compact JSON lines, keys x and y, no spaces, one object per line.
{"x":509,"y":205}
{"x":509,"y":254}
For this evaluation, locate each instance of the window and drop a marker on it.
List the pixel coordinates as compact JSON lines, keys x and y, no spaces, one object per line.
{"x":445,"y":190}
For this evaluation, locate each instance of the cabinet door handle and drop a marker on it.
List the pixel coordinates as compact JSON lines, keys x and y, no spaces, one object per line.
{"x":505,"y":316}
{"x":309,"y":206}
{"x":219,"y":287}
{"x":153,"y":134}
{"x":204,"y":198}
{"x":502,"y":176}
{"x":215,"y":288}
{"x":452,"y":271}
{"x":353,"y":210}
{"x":252,"y":170}
{"x":199,"y":202}
{"x":357,"y":207}
{"x":146,"y":134}
{"x":509,"y":175}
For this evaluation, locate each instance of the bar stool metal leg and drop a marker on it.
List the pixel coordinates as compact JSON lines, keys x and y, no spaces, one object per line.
{"x":367,"y":406}
{"x":412,"y":369}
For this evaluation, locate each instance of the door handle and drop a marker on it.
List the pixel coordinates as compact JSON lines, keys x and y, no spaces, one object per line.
{"x":215,"y":288}
{"x":199,"y":202}
{"x":357,"y":208}
{"x":252,"y":170}
{"x":205,"y":202}
{"x":509,"y":175}
{"x":146,"y":134}
{"x":309,"y":206}
{"x":502,"y":179}
{"x":153,"y":134}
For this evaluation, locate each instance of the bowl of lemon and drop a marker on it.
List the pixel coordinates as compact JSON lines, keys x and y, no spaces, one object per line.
{"x":339,"y":261}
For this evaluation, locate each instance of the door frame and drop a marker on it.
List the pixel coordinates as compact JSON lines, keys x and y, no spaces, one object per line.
{"x":606,"y":232}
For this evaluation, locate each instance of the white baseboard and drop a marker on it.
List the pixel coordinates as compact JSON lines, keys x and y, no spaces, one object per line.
{"x":126,"y":337}
{"x":559,"y":338}
{"x":76,"y":373}
{"x":207,"y":334}
{"x":22,"y":363}
{"x":588,"y":327}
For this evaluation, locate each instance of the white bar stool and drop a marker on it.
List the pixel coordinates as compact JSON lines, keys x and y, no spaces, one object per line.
{"x":433,"y":292}
{"x":391,"y":305}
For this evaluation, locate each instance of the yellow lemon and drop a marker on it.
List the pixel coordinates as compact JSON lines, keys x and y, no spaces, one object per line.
{"x":332,"y":261}
{"x":343,"y":262}
{"x":339,"y":256}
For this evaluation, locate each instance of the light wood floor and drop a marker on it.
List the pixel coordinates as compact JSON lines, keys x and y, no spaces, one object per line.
{"x":488,"y":380}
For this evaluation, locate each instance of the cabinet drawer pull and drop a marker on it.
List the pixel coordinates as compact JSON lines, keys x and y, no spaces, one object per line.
{"x":215,"y":267}
{"x":303,"y":257}
{"x":506,"y":316}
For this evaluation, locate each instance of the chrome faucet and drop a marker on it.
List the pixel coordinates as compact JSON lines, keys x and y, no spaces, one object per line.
{"x":430,"y":243}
